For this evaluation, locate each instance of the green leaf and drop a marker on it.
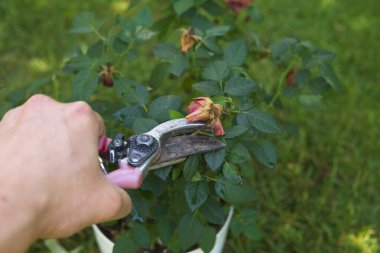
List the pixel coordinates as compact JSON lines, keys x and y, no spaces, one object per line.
{"x":302,"y":77}
{"x":132,"y":91}
{"x":231,"y":173}
{"x":324,"y":55}
{"x":239,"y":154}
{"x":154,"y":185}
{"x":310,"y":101}
{"x":215,"y":158}
{"x":329,"y":75}
{"x":212,"y":211}
{"x":177,"y":64}
{"x":142,"y":125}
{"x":280,"y":47}
{"x":216,"y":71}
{"x":181,"y":6}
{"x":235,"y":131}
{"x":236,"y":53}
{"x":207,"y":239}
{"x":175,"y":115}
{"x":165,"y":229}
{"x":85,"y":23}
{"x":242,"y":193}
{"x":163,"y":173}
{"x":129,"y":114}
{"x":189,"y":230}
{"x":79,"y":62}
{"x":139,"y":208}
{"x":158,"y":74}
{"x":265,"y":152}
{"x":140,"y":235}
{"x":247,"y":221}
{"x":262,"y":121}
{"x":240,"y":86}
{"x":217,"y":30}
{"x":143,"y":18}
{"x":196,"y":194}
{"x":37,"y":84}
{"x":159,"y":108}
{"x":84,"y":84}
{"x":165,"y":51}
{"x":210,"y":88}
{"x":125,"y":244}
{"x":191,"y":166}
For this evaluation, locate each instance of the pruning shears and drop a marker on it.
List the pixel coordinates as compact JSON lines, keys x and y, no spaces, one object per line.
{"x":168,"y":143}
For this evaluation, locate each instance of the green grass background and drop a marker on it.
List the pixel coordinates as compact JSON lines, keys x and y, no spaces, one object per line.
{"x":324,"y":194}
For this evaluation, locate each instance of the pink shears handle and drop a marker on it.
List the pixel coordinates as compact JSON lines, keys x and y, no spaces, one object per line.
{"x":126,"y":177}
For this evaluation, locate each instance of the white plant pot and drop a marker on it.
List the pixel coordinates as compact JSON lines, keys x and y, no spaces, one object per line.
{"x":106,"y":245}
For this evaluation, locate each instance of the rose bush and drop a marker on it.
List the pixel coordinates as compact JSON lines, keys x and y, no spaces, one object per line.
{"x":152,"y":65}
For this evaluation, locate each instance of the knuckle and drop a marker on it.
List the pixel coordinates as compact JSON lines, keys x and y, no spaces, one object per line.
{"x":38,"y":98}
{"x":82,"y":107}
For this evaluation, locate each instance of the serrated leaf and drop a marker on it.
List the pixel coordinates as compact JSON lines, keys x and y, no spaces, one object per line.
{"x":154,"y":185}
{"x":143,"y":18}
{"x":189,"y":230}
{"x":139,"y":208}
{"x":217,"y":31}
{"x":79,"y":62}
{"x":165,"y":51}
{"x":159,"y":108}
{"x":210,"y":88}
{"x":125,"y":245}
{"x":158,"y":74}
{"x":132,"y":91}
{"x":212,"y":211}
{"x":262,"y":121}
{"x":236,"y":53}
{"x":215,"y":158}
{"x":216,"y":71}
{"x":242,"y":193}
{"x":239,"y":154}
{"x":143,"y":125}
{"x":175,"y":115}
{"x":302,"y":77}
{"x":280,"y":47}
{"x":177,"y":64}
{"x":84,"y":84}
{"x":240,"y":86}
{"x":235,"y":131}
{"x":207,"y":239}
{"x":165,"y":229}
{"x":163,"y":173}
{"x":85,"y":23}
{"x":129,"y":114}
{"x":196,"y":194}
{"x":190,"y":167}
{"x":265,"y":152}
{"x":231,"y":173}
{"x":140,"y":235}
{"x":329,"y":75}
{"x":180,"y":6}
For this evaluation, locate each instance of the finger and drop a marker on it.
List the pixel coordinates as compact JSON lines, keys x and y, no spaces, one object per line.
{"x":11,"y":117}
{"x":101,"y":126}
{"x":116,"y":204}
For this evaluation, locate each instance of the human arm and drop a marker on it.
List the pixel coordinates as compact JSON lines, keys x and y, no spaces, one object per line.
{"x":50,"y":181}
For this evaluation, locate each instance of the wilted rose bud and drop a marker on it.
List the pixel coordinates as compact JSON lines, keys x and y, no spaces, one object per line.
{"x":238,"y":5}
{"x":290,"y":78}
{"x":188,"y":39}
{"x":203,"y":109}
{"x":106,"y":75}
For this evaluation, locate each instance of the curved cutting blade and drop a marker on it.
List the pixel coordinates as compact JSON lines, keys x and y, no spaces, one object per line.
{"x":177,"y":149}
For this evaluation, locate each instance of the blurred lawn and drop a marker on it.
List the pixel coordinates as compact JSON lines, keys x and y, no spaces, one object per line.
{"x":324,"y":194}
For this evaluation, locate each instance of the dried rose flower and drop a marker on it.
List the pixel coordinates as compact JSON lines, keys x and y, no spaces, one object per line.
{"x":203,"y":109}
{"x":188,"y":39}
{"x":238,"y":5}
{"x":290,"y":78}
{"x":106,"y":75}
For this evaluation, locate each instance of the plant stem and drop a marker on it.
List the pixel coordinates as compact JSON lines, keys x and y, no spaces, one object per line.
{"x":279,"y":85}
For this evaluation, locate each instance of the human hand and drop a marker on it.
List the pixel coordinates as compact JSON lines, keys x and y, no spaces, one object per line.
{"x":50,"y":178}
